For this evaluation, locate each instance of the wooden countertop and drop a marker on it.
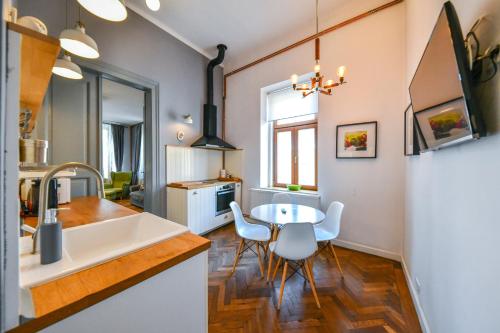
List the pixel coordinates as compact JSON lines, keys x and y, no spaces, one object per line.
{"x":63,"y":297}
{"x":86,"y":210}
{"x":193,"y":185}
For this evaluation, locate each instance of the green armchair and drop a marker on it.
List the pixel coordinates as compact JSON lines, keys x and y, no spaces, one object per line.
{"x":119,"y":186}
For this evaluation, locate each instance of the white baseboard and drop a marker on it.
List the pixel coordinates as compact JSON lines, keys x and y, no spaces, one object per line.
{"x":368,"y":249}
{"x":418,"y":307}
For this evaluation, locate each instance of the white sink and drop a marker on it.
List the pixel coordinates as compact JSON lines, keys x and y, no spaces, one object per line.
{"x":89,"y":245}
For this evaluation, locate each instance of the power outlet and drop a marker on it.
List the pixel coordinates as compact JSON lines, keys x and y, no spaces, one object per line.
{"x":418,"y":285}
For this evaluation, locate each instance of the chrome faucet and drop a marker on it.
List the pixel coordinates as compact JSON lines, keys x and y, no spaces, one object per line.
{"x":44,"y":191}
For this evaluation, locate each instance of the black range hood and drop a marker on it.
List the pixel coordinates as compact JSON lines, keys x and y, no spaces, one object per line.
{"x":209,"y":140}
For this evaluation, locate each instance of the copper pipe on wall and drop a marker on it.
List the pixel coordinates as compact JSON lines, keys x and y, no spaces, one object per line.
{"x":294,"y":45}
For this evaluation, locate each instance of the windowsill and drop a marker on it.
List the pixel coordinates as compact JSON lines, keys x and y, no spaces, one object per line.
{"x":281,"y":189}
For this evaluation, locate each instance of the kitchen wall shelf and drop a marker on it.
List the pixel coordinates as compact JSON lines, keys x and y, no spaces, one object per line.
{"x":38,"y":54}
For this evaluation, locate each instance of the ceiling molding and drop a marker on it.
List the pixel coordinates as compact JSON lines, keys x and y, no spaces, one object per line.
{"x":169,"y":30}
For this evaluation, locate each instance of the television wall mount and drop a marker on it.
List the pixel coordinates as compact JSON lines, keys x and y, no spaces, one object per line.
{"x":479,"y":61}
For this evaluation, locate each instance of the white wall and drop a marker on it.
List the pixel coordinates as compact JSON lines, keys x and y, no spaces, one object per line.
{"x":452,"y":224}
{"x":373,"y":49}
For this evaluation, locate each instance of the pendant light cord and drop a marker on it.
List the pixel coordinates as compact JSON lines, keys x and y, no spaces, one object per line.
{"x":67,"y":14}
{"x":317,"y":26}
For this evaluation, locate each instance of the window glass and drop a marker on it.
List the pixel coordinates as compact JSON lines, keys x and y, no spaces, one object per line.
{"x":284,"y":157}
{"x":108,"y":155}
{"x":306,"y":152}
{"x":141,"y":165}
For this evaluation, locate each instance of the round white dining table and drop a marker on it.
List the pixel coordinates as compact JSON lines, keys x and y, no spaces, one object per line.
{"x":281,"y":214}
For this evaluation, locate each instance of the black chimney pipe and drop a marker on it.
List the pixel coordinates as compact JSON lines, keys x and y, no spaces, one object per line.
{"x":210,"y":72}
{"x":209,"y":140}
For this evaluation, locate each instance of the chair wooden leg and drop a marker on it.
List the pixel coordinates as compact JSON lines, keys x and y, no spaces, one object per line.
{"x":269,"y":266}
{"x":304,"y":272}
{"x":237,"y":257}
{"x":275,"y":233}
{"x":336,"y":258}
{"x":266,"y":248}
{"x":282,"y":287}
{"x":312,"y":283}
{"x":261,"y":266}
{"x":276,"y":268}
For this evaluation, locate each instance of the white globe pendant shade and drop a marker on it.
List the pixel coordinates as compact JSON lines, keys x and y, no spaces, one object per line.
{"x":77,"y":42}
{"x":111,"y":10}
{"x":153,"y":4}
{"x":66,"y":68}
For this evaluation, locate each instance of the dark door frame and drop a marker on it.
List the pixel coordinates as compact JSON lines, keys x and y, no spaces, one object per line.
{"x":3,"y":67}
{"x":152,"y":199}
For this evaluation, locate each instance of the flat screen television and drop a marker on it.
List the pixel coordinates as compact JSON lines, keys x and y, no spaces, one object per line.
{"x":441,"y":93}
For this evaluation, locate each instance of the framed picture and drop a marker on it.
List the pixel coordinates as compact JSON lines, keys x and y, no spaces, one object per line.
{"x":411,"y":140}
{"x":444,"y":124}
{"x":357,"y":140}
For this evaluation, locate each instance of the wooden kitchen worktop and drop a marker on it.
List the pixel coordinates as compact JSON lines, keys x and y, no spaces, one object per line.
{"x":192,"y":185}
{"x":86,"y":210}
{"x":63,"y":297}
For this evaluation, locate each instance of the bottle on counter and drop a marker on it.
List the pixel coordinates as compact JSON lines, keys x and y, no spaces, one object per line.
{"x":50,"y":238}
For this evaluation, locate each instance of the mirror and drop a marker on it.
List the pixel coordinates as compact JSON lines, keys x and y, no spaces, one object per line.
{"x":100,"y":121}
{"x":122,"y":144}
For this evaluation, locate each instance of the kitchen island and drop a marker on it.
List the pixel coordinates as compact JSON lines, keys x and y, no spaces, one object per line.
{"x":160,"y":288}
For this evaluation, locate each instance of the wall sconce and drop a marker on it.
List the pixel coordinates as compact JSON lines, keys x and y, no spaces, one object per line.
{"x":188,"y":119}
{"x":180,"y":135}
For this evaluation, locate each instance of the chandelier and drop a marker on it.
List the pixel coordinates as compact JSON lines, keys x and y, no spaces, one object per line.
{"x":318,"y":83}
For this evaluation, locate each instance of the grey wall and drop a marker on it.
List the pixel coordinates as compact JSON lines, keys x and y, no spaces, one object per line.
{"x":142,"y":48}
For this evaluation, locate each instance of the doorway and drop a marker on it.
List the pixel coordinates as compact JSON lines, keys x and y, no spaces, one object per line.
{"x":148,"y":173}
{"x":122,"y":143}
{"x":77,"y":121}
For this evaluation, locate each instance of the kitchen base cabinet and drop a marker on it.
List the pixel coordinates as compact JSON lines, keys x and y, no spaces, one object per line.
{"x":196,"y":208}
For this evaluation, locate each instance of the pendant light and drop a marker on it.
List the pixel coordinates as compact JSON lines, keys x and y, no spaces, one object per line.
{"x":66,"y":68}
{"x":317,"y":81}
{"x":77,"y":42}
{"x":153,"y":4}
{"x":111,"y":10}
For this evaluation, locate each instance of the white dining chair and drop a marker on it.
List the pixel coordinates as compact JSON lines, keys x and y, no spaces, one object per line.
{"x":296,"y":244}
{"x":329,"y":229}
{"x":251,"y":234}
{"x":282,"y":198}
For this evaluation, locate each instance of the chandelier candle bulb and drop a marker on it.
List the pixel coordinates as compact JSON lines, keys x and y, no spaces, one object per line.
{"x":341,"y":71}
{"x":294,"y":78}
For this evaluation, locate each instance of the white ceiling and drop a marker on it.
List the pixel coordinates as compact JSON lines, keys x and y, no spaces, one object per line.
{"x":243,"y":25}
{"x":121,"y":104}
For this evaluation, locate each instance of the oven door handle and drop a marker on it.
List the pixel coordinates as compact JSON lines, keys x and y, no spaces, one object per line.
{"x":225,"y":192}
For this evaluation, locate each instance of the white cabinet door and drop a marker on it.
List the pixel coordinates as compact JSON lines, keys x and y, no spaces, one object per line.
{"x":194,"y":210}
{"x":208,"y":208}
{"x":177,"y":205}
{"x":201,"y":209}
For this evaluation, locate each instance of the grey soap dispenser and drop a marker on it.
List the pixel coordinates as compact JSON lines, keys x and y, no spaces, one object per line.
{"x":50,"y":238}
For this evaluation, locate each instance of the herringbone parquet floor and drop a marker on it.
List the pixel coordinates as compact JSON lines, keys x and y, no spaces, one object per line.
{"x":372,"y":298}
